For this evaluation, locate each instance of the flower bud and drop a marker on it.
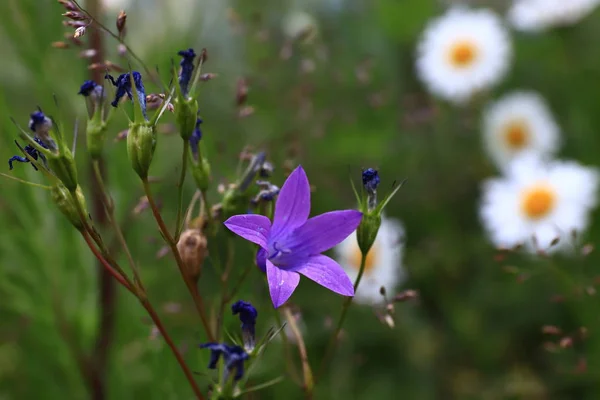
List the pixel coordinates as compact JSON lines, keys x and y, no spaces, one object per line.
{"x":185,"y":117}
{"x":201,"y":173}
{"x":95,"y":137}
{"x":366,"y":233}
{"x":193,"y":248}
{"x":141,"y":143}
{"x":63,"y":166}
{"x":65,"y":203}
{"x":234,"y":202}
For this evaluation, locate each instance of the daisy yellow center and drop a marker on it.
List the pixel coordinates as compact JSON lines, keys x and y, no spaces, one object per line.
{"x":516,"y":135}
{"x":538,"y":201}
{"x":463,"y":53}
{"x":370,"y":262}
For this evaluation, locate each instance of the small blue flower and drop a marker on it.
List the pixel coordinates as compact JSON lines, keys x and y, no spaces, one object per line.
{"x":123,"y":85}
{"x":234,"y":357}
{"x":267,"y":193}
{"x":187,"y":69}
{"x":39,"y":123}
{"x":370,"y":178}
{"x":248,"y":315}
{"x":87,"y":88}
{"x":195,"y":138}
{"x":31,"y":151}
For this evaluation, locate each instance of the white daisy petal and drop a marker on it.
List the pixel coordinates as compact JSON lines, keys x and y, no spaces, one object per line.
{"x":517,"y":123}
{"x":539,"y":15}
{"x":537,"y":202}
{"x":463,"y":52}
{"x":383,"y":262}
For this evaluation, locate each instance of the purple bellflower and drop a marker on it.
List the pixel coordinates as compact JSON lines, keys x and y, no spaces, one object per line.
{"x":187,"y":69}
{"x":293,"y":244}
{"x":234,"y":357}
{"x":248,"y":315}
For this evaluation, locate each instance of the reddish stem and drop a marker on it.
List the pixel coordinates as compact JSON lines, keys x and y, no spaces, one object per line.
{"x":155,"y":318}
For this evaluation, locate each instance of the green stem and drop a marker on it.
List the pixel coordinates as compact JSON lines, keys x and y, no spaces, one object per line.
{"x":334,"y":337}
{"x":189,"y":282}
{"x":184,"y":158}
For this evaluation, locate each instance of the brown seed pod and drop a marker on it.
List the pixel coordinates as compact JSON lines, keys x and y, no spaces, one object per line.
{"x":193,"y":248}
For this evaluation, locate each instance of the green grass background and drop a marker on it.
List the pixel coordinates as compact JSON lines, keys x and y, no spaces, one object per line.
{"x":475,"y":331}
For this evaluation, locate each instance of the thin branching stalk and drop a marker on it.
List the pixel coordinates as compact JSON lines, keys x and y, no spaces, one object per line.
{"x":289,"y":365}
{"x":153,"y":315}
{"x":333,"y":341}
{"x":184,"y":157}
{"x":224,"y":280}
{"x":191,"y":285}
{"x":306,"y":370}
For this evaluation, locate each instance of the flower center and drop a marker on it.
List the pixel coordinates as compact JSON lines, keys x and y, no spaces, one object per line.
{"x":463,"y":53}
{"x":277,"y":252}
{"x":370,"y":262}
{"x":516,"y":134}
{"x":538,"y":201}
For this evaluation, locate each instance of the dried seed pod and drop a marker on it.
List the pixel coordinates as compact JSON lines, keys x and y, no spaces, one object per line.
{"x":193,"y":248}
{"x":60,"y":45}
{"x":121,"y":21}
{"x":75,"y":16}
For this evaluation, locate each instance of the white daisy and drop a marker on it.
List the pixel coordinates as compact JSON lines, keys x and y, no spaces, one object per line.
{"x":538,"y":202}
{"x":382,"y":265}
{"x":517,"y":123}
{"x":463,"y":52}
{"x":538,"y":15}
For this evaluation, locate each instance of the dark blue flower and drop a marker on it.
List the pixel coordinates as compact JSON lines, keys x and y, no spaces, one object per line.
{"x":31,"y":151}
{"x":123,"y":85}
{"x":248,"y":315}
{"x":187,"y":69}
{"x":234,"y":357}
{"x":370,"y":179}
{"x":87,"y":88}
{"x":39,"y":123}
{"x":195,"y":138}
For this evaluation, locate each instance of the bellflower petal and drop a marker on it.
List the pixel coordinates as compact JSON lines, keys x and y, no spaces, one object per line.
{"x":261,"y":259}
{"x":293,"y":204}
{"x":322,"y":232}
{"x":327,"y":273}
{"x":282,"y":283}
{"x":252,"y":227}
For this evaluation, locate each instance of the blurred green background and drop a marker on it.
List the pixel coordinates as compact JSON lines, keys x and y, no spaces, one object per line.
{"x":344,"y":98}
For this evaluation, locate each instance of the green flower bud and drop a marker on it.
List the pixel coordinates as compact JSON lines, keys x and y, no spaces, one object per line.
{"x":61,"y":196}
{"x":185,"y":116}
{"x":95,"y":131}
{"x":141,"y":143}
{"x":366,"y":233}
{"x":235,"y":202}
{"x":63,"y":166}
{"x":201,"y":173}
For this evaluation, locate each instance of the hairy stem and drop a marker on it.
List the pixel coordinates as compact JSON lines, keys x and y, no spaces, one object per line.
{"x":191,"y":285}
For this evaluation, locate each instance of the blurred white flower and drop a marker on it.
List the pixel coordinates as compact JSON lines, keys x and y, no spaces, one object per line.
{"x":517,"y":123}
{"x":538,"y":202}
{"x":463,"y":52}
{"x":300,"y":25}
{"x":117,"y":5}
{"x":382,"y":267}
{"x":538,"y":15}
